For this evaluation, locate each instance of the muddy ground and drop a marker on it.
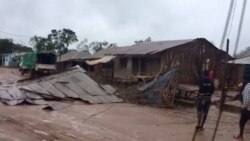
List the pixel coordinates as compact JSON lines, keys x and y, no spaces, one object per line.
{"x":10,"y":75}
{"x":109,"y":122}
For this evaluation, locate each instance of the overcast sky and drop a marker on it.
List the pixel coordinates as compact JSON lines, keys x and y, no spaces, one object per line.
{"x":122,"y":21}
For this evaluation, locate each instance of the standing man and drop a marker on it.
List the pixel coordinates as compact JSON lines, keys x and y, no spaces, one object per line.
{"x":206,"y":89}
{"x":245,"y":112}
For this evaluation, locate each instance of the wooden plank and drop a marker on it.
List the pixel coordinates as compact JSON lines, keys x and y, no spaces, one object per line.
{"x":63,"y":88}
{"x":52,"y":89}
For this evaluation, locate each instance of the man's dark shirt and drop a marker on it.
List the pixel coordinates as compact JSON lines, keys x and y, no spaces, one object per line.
{"x":206,"y":88}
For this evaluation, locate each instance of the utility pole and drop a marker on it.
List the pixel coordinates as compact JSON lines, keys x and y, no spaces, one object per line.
{"x":223,"y":93}
{"x":240,"y":27}
{"x":227,"y":24}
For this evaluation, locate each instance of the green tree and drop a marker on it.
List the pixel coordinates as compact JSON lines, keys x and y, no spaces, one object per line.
{"x":57,"y":40}
{"x":61,"y":39}
{"x":7,"y":46}
{"x":39,"y":43}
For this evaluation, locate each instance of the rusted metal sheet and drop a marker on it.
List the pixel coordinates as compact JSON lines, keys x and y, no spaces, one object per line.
{"x":73,"y":83}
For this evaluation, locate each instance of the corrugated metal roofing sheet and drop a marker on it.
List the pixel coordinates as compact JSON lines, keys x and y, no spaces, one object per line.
{"x":102,"y":53}
{"x":244,"y":61}
{"x":73,"y":83}
{"x":105,"y":59}
{"x":73,"y":55}
{"x":142,"y":48}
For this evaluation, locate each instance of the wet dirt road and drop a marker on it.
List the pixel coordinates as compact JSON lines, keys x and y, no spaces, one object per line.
{"x":106,"y":122}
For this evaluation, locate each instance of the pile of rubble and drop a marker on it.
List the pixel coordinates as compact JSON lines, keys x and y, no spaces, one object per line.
{"x":132,"y":95}
{"x":71,"y":84}
{"x":160,"y":91}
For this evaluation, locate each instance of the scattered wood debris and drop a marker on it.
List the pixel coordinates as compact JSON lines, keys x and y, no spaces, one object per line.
{"x":161,"y":90}
{"x":71,"y":84}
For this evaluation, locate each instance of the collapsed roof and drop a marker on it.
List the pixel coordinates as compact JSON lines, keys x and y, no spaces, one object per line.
{"x":73,"y":83}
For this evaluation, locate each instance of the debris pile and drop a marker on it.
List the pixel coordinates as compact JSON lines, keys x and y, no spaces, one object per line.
{"x":71,"y":84}
{"x":160,"y":90}
{"x":131,"y":94}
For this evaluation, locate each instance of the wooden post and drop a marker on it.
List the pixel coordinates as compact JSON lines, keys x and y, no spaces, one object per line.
{"x":223,"y":95}
{"x":129,"y":67}
{"x":139,"y":69}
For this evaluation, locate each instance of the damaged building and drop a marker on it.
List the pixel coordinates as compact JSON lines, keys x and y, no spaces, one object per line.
{"x":71,"y":59}
{"x":145,"y":60}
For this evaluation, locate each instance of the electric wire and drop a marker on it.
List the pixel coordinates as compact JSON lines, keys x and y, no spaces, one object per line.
{"x":12,"y":34}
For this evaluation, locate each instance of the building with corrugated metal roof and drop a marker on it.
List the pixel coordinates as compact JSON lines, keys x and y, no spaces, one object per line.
{"x":145,"y":60}
{"x":71,"y":59}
